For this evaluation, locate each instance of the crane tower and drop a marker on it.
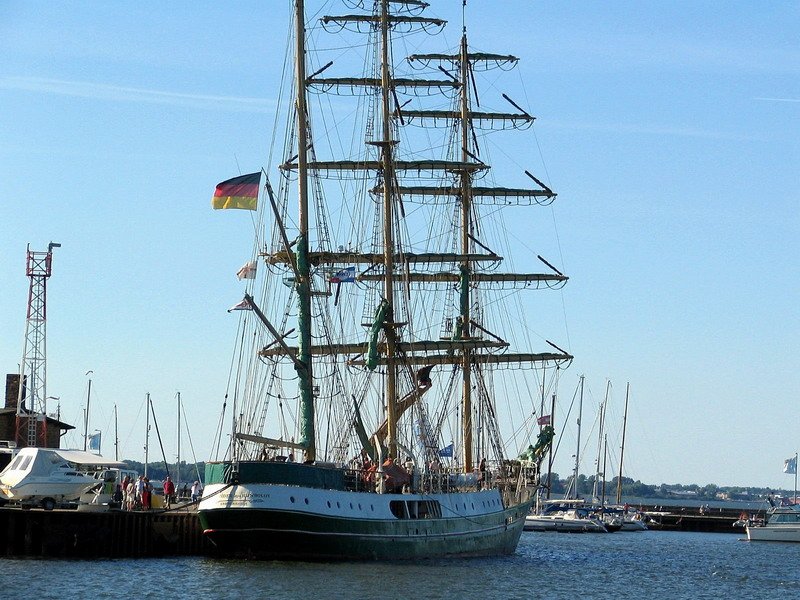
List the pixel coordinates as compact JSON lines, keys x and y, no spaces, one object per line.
{"x":32,"y":395}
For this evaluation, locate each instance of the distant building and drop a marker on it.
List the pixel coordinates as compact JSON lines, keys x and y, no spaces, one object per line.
{"x":9,"y":426}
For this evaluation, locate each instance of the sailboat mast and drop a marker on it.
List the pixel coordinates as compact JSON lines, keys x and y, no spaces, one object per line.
{"x":605,"y":455}
{"x":550,"y":451}
{"x":116,"y":434}
{"x":386,"y":144}
{"x":596,"y":488}
{"x":622,"y":449}
{"x":303,"y":280}
{"x":86,"y":416}
{"x":178,"y":466}
{"x":578,"y":449}
{"x":147,"y":435}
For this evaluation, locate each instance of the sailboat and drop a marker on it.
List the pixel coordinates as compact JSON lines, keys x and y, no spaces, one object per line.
{"x":572,"y":514}
{"x":369,"y":425}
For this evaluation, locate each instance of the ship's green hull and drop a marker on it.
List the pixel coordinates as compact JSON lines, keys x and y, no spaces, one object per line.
{"x":277,"y":534}
{"x":308,"y":512}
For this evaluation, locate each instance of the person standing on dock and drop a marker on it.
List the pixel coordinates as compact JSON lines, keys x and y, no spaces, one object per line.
{"x":169,"y":490}
{"x":147,"y":494}
{"x":195,"y":491}
{"x":130,"y":495}
{"x":140,"y":491}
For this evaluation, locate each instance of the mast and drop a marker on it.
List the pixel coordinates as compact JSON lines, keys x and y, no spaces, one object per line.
{"x":605,"y":454}
{"x":147,"y":435}
{"x":550,"y":451}
{"x":303,"y":280}
{"x":622,"y":449}
{"x":464,"y":297}
{"x":178,"y":466}
{"x":601,"y":429}
{"x":116,"y":434}
{"x":86,"y":415}
{"x":386,"y":144}
{"x":578,"y":449}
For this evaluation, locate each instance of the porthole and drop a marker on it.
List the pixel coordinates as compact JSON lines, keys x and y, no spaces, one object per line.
{"x":291,"y":499}
{"x":329,"y":503}
{"x":306,"y":500}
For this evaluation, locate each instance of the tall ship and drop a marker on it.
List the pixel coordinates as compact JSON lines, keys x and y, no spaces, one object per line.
{"x":383,"y":354}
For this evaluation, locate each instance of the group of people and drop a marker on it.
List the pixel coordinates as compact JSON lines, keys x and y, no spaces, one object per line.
{"x":137,"y":494}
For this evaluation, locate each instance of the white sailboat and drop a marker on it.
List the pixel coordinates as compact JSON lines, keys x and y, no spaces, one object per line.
{"x":572,"y":514}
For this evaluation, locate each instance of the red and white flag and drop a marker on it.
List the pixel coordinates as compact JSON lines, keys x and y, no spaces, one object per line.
{"x":543,"y":420}
{"x":243,"y":305}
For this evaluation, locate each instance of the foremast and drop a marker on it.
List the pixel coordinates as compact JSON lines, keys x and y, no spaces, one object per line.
{"x":303,"y":364}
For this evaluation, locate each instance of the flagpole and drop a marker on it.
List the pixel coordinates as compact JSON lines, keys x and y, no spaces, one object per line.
{"x":794,"y":498}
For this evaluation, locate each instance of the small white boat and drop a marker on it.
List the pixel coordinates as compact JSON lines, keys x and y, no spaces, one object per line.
{"x":565,"y":517}
{"x":783,"y":525}
{"x":630,"y":519}
{"x":48,"y":476}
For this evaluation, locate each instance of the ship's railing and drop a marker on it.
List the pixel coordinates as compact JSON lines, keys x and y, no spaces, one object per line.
{"x":427,"y":481}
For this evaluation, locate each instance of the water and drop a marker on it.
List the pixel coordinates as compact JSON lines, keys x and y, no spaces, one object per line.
{"x":547,"y":565}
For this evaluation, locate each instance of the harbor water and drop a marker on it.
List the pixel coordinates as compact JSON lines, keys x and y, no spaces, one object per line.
{"x":547,"y":565}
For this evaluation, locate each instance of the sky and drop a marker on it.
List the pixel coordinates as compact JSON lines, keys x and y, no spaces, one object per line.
{"x":670,"y":130}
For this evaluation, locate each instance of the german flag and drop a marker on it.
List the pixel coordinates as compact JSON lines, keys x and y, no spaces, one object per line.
{"x":239,"y":192}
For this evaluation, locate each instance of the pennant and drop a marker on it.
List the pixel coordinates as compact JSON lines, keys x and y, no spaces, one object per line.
{"x":243,"y":305}
{"x":543,"y":420}
{"x":347,"y":275}
{"x":446,"y":452}
{"x":248,"y":270}
{"x":239,"y":192}
{"x":94,"y":442}
{"x":790,"y":466}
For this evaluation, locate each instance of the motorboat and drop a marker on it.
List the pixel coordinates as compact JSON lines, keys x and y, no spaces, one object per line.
{"x":783,"y":525}
{"x":48,"y":476}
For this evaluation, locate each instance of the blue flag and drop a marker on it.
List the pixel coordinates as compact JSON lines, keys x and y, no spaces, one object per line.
{"x":446,"y":452}
{"x":347,"y":275}
{"x":94,"y":442}
{"x":790,"y":465}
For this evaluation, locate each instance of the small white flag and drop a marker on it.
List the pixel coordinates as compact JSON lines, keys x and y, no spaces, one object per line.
{"x":790,"y":465}
{"x":243,"y":305}
{"x":248,"y":270}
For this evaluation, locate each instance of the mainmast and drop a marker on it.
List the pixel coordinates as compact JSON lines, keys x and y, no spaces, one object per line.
{"x":464,"y":300}
{"x":303,"y":279}
{"x":386,"y":144}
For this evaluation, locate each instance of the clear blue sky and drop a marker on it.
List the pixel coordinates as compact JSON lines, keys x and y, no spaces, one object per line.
{"x":670,"y":131}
